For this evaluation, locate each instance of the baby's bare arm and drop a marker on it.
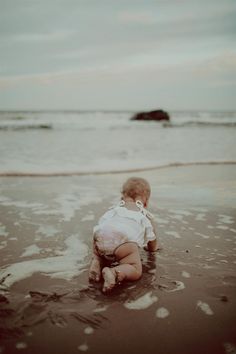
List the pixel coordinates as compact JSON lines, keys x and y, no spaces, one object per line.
{"x":153,"y":246}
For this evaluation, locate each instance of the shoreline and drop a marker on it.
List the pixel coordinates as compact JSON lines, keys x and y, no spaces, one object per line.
{"x":112,"y":172}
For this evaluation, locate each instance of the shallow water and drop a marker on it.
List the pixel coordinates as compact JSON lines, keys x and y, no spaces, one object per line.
{"x":51,"y":143}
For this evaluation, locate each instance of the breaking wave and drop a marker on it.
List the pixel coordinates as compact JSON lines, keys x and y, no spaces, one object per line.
{"x":84,"y":120}
{"x":199,"y":123}
{"x":25,"y":126}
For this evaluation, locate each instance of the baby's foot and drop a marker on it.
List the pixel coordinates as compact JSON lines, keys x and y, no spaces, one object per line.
{"x":109,"y":276}
{"x":95,"y":270}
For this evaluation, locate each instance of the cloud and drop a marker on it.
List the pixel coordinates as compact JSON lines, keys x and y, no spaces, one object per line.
{"x":186,"y":20}
{"x":220,"y":64}
{"x":138,"y":64}
{"x":142,"y":18}
{"x":48,"y":49}
{"x":42,"y":37}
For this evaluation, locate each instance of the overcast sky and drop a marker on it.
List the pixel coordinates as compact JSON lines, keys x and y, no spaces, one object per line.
{"x":118,"y":54}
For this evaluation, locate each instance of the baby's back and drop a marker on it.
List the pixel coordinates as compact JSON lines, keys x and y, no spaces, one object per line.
{"x":121,"y":221}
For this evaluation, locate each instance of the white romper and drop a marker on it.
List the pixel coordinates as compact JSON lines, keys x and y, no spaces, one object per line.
{"x":119,"y":225}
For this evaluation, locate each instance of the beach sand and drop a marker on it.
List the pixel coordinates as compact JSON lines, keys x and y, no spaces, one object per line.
{"x":185,"y":301}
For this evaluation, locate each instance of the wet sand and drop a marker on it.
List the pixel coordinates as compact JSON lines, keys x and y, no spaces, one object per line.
{"x":185,"y":301}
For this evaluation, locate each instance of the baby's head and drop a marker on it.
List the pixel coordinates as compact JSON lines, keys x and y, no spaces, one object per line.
{"x":136,"y":188}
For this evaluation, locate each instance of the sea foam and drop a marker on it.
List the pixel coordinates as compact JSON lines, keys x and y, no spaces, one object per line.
{"x":65,"y":266}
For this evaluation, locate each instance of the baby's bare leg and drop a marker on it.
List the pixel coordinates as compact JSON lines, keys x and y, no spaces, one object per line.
{"x":129,"y":268}
{"x":95,"y":269}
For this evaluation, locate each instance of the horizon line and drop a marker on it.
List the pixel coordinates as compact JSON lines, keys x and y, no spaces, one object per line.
{"x":93,"y":110}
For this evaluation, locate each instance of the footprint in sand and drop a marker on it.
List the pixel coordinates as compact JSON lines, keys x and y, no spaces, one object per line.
{"x":178,"y":285}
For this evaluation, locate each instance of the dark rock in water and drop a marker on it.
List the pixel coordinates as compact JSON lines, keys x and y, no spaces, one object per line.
{"x":157,"y":115}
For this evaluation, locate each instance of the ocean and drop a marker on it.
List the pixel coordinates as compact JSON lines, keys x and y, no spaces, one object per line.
{"x":84,"y":142}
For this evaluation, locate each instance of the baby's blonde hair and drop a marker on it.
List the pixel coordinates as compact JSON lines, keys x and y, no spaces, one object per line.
{"x":136,"y":187}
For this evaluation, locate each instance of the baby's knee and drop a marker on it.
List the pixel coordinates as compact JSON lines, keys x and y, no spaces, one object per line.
{"x":131,"y":273}
{"x":139,"y":270}
{"x":138,"y":274}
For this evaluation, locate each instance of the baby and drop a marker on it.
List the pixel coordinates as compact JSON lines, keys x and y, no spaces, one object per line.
{"x":119,"y":235}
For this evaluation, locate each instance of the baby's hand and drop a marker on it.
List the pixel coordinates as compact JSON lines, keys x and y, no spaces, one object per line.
{"x":152,"y":246}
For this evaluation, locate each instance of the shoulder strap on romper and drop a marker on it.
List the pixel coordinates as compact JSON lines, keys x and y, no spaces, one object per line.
{"x":143,"y":210}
